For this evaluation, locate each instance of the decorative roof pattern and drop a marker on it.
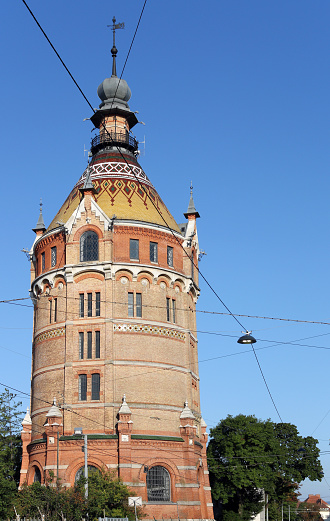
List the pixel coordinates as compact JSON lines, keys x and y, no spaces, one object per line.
{"x":121,"y":188}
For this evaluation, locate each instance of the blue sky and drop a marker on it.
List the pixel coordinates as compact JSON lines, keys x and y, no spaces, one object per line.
{"x":235,"y":97}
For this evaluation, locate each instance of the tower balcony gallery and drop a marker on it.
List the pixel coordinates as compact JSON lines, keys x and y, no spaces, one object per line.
{"x":114,"y":282}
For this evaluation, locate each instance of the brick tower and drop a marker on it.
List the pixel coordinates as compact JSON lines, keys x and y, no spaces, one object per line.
{"x":114,"y":343}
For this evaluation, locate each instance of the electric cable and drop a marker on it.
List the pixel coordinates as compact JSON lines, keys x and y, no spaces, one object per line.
{"x":208,"y":312}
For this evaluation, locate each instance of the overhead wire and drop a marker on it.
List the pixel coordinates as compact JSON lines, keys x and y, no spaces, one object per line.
{"x":205,"y":311}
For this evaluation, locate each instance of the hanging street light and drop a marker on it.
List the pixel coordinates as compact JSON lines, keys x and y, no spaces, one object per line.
{"x":247,"y":338}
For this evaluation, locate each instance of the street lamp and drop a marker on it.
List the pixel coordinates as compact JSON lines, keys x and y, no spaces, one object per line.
{"x":247,"y":338}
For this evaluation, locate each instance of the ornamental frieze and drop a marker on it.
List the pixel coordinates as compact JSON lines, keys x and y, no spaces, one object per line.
{"x":149,"y":330}
{"x":47,"y":335}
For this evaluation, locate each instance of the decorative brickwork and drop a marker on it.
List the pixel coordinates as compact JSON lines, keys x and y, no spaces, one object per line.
{"x":47,"y":335}
{"x":149,"y":330}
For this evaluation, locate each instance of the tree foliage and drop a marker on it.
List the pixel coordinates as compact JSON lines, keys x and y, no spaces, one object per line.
{"x":308,"y":512}
{"x":247,"y":456}
{"x":107,"y":496}
{"x":10,"y":449}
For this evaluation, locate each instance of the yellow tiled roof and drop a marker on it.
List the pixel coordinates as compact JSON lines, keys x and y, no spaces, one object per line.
{"x":123,"y":189}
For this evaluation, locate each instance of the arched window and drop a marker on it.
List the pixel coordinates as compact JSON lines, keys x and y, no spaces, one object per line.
{"x":158,"y":484}
{"x":37,"y":475}
{"x":80,"y":472}
{"x":89,"y":247}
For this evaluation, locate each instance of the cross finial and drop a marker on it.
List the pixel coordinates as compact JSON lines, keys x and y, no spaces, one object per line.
{"x":114,"y":50}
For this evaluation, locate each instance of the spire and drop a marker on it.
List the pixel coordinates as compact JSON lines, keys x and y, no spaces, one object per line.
{"x":191,"y":206}
{"x":124,"y":409}
{"x":27,"y":418}
{"x":186,"y":412}
{"x":54,"y":411}
{"x":88,"y":185}
{"x":114,"y":49}
{"x":40,"y":224}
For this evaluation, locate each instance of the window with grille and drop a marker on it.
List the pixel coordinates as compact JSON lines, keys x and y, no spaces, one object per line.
{"x":153,"y":252}
{"x":134,"y":249}
{"x":83,"y":387}
{"x":53,"y":256}
{"x":43,"y":261}
{"x":55,"y":309}
{"x":158,"y":484}
{"x":170,"y":256}
{"x":89,"y":304}
{"x":95,"y":386}
{"x":97,"y":304}
{"x":81,"y":346}
{"x":81,"y":305}
{"x":168,"y":310}
{"x":81,"y":472}
{"x":174,"y":310}
{"x":89,"y":247}
{"x":50,"y":311}
{"x":97,"y":344}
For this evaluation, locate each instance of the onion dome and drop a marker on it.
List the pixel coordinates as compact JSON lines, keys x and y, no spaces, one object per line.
{"x":114,"y":94}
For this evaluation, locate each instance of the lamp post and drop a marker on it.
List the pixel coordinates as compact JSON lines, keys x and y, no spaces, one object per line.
{"x":79,"y":432}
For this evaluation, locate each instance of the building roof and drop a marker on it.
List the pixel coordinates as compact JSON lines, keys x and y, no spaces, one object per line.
{"x":117,"y":191}
{"x":315,"y":499}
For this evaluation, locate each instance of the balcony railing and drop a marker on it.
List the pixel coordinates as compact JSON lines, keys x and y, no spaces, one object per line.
{"x":110,"y":138}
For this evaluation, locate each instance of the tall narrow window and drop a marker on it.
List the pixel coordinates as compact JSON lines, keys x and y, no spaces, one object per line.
{"x":174,"y":310}
{"x":81,"y":305}
{"x":89,"y":345}
{"x":138,"y":301}
{"x":170,"y":256}
{"x":82,"y":391}
{"x":95,"y":386}
{"x":153,"y":251}
{"x":55,"y":309}
{"x":53,"y":256}
{"x":192,"y":265}
{"x":81,"y":346}
{"x":89,"y":247}
{"x":50,"y":311}
{"x":97,"y":304}
{"x":89,"y":304}
{"x":131,"y":304}
{"x":97,"y":344}
{"x":158,"y":484}
{"x":168,"y":309}
{"x":43,"y":261}
{"x":134,"y":249}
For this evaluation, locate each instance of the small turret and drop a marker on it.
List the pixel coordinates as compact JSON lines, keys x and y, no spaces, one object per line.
{"x":40,"y":227}
{"x":191,"y":212}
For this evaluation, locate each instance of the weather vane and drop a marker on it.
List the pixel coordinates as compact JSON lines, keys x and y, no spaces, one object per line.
{"x":114,"y":51}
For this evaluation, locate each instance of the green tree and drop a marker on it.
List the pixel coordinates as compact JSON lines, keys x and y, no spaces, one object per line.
{"x":308,"y":512}
{"x":51,"y":500}
{"x":247,"y":456}
{"x":107,"y":495}
{"x":10,"y":449}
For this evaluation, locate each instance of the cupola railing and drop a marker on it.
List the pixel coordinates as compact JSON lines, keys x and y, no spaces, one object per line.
{"x":111,"y":138}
